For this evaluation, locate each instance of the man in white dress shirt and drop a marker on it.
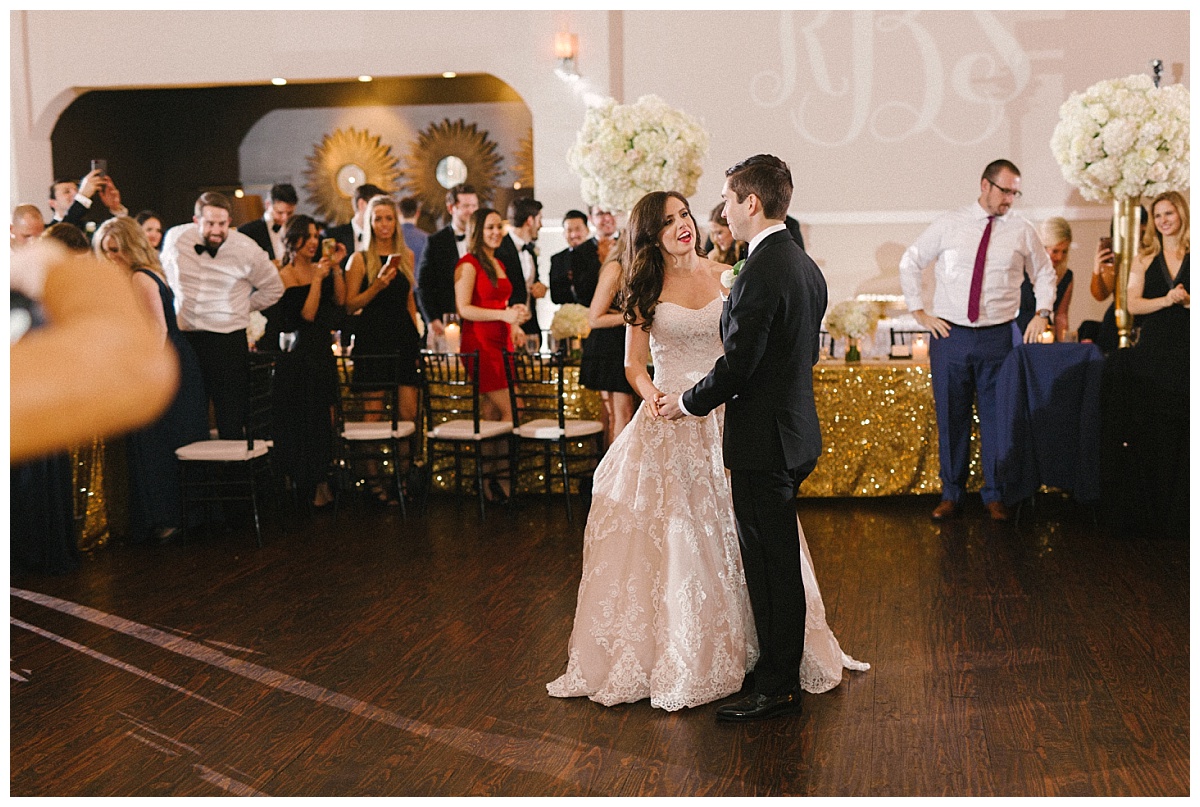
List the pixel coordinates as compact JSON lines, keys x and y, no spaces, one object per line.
{"x":219,"y":276}
{"x":982,"y":253}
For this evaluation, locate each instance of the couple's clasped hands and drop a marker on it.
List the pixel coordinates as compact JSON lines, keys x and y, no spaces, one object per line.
{"x":666,"y":406}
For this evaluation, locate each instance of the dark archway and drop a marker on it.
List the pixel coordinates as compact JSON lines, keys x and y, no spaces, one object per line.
{"x":166,"y":146}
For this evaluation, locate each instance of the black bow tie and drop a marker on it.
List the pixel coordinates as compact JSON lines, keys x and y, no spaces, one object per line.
{"x":276,"y":228}
{"x":531,"y":248}
{"x":460,"y":237}
{"x":202,"y":248}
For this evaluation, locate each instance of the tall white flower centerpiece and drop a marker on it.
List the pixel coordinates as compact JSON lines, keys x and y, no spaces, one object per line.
{"x":624,"y":151}
{"x":1118,"y":141}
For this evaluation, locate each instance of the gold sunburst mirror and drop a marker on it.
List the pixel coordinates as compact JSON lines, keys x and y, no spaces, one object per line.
{"x":343,"y":162}
{"x":446,"y":154}
{"x":523,"y":161}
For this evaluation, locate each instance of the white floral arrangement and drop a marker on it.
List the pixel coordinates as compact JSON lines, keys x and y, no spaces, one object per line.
{"x":853,"y":319}
{"x":624,"y":151}
{"x":256,"y":328}
{"x":1125,"y":138}
{"x":571,"y":319}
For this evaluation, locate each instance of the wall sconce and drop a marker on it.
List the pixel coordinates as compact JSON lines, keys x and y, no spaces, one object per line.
{"x":566,"y":50}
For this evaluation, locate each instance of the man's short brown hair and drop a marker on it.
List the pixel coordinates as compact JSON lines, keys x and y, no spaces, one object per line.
{"x":213,"y":199}
{"x":768,"y":178}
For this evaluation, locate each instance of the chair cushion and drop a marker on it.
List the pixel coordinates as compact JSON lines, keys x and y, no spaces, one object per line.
{"x":220,"y":451}
{"x":377,"y":430}
{"x":547,"y":429}
{"x":465,"y":430}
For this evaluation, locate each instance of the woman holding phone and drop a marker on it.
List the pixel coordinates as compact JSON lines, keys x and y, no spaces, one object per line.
{"x":298,"y":326}
{"x":379,"y":285}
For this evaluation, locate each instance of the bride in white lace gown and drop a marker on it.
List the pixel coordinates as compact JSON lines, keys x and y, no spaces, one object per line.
{"x":662,"y":610}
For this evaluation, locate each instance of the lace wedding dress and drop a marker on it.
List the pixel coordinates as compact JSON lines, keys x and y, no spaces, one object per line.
{"x":663,"y":611}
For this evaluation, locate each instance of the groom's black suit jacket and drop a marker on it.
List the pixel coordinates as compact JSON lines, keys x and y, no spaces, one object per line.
{"x":770,"y":326}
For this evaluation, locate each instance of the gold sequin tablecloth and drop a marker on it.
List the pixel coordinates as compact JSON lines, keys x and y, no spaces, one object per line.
{"x":878,"y":431}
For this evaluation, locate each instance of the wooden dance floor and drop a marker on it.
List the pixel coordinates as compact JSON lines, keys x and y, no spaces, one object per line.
{"x":376,"y":658}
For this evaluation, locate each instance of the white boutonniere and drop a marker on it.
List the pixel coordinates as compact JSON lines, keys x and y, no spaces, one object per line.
{"x":730,"y":274}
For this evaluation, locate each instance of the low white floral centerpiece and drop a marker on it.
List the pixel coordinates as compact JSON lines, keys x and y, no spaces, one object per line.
{"x":570,"y":320}
{"x":1125,"y":138}
{"x":624,"y":151}
{"x":853,"y":320}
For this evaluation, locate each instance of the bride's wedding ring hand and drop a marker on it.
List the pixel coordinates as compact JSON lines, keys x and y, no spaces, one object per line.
{"x":668,"y":406}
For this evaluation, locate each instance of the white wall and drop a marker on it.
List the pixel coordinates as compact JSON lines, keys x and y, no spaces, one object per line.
{"x":885,"y":117}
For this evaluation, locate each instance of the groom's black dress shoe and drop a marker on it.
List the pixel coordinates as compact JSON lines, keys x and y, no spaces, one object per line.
{"x":760,"y":707}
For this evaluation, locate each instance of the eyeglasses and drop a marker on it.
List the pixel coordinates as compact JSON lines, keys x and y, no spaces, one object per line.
{"x":1006,"y":191}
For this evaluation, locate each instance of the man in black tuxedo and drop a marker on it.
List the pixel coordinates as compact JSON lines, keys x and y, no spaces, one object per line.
{"x":770,"y":328}
{"x":351,"y":235}
{"x":268,"y":231}
{"x":71,"y":201}
{"x":519,"y":254}
{"x":575,"y":271}
{"x":435,"y":272}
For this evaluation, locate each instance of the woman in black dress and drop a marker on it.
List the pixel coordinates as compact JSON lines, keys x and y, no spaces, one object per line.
{"x":154,"y":507}
{"x":298,"y":327}
{"x":603,"y":365}
{"x":1151,"y":378}
{"x":379,"y":285}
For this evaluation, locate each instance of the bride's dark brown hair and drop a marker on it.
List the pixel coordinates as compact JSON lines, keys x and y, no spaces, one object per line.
{"x":642,"y":265}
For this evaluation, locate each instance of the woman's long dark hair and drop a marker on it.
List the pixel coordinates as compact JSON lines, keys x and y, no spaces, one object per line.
{"x":643,"y":265}
{"x":475,"y":243}
{"x":295,"y":235}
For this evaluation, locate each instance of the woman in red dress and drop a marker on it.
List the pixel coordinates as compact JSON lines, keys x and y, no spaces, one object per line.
{"x":481,"y":292}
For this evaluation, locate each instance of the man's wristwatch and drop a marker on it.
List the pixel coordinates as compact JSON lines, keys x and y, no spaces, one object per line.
{"x":1044,"y":314}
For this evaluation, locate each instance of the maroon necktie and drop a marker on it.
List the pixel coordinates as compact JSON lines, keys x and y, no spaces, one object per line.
{"x":977,"y":275}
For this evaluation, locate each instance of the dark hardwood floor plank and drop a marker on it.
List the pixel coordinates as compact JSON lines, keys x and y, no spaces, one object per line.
{"x":373,"y":656}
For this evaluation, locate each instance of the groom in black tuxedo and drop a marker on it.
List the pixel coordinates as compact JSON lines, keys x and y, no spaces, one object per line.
{"x":770,"y":327}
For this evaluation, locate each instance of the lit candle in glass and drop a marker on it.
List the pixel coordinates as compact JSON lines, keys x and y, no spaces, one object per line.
{"x":920,"y":348}
{"x":453,"y":337}
{"x":1046,"y":337}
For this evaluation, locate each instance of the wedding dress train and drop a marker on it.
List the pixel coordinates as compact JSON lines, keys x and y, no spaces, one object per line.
{"x":662,"y":610}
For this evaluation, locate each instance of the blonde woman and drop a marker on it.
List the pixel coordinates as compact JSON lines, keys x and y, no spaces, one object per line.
{"x":155,"y":511}
{"x":1148,"y":395}
{"x":1056,"y":236}
{"x":380,"y":283}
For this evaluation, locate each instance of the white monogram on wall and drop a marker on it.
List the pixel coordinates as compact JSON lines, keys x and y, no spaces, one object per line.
{"x":985,"y":80}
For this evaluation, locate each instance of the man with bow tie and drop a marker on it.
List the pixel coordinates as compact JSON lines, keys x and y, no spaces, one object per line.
{"x":268,"y":231}
{"x":219,"y":276}
{"x":435,"y":271}
{"x":519,"y":254}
